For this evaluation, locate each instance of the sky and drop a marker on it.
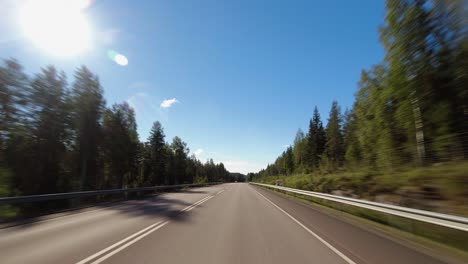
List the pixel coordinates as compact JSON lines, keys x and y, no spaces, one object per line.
{"x":233,"y":79}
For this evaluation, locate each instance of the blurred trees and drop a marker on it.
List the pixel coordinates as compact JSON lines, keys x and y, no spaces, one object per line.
{"x":56,"y":137}
{"x":120,"y":146}
{"x":87,"y":104}
{"x":410,"y":110}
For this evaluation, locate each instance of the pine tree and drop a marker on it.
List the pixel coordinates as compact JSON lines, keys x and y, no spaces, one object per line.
{"x":120,"y":145}
{"x":316,"y":140}
{"x":179,"y":152}
{"x":158,"y":155}
{"x":289,"y":160}
{"x":334,"y":144}
{"x":50,"y":128}
{"x":299,"y":149}
{"x":88,"y":106}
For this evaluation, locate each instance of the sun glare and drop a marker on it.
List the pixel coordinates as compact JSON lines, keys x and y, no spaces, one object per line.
{"x":57,"y":26}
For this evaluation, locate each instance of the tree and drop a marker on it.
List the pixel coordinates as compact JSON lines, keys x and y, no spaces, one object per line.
{"x":14,"y":132}
{"x":179,"y":152}
{"x":14,"y":93}
{"x":334,"y":144}
{"x":350,"y":142}
{"x":289,"y":161}
{"x":50,"y":129}
{"x":316,"y":139}
{"x":88,"y":106}
{"x":300,"y":149}
{"x":158,"y":155}
{"x":120,"y":145}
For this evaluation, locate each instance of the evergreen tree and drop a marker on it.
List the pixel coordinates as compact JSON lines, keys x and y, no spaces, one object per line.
{"x":334,"y":144}
{"x":50,"y":128}
{"x":88,"y":106}
{"x":289,"y":161}
{"x":300,"y":149}
{"x":158,"y":154}
{"x":316,"y":140}
{"x":179,"y":152}
{"x":120,"y":145}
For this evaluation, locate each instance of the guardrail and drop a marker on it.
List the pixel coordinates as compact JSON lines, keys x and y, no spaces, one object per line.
{"x":451,"y":221}
{"x":71,"y":195}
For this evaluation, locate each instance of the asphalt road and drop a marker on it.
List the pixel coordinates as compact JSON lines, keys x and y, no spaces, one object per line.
{"x":229,"y":223}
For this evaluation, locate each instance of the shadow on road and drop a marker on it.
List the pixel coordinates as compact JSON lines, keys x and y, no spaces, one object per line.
{"x":147,"y":207}
{"x":156,"y":206}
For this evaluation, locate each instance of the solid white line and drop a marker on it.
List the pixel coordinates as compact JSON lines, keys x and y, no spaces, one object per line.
{"x":188,"y":208}
{"x":110,"y":254}
{"x":219,"y":192}
{"x":117,"y":244}
{"x":199,"y":203}
{"x":343,"y":256}
{"x":140,"y":234}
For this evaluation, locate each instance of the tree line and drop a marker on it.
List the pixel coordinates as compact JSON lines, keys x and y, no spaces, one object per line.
{"x":60,"y":137}
{"x":410,"y":110}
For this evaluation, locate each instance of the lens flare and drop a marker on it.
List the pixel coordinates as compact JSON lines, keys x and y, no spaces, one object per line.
{"x":121,"y":60}
{"x":118,"y":58}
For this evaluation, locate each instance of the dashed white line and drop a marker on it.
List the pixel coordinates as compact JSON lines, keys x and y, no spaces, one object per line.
{"x":343,"y":256}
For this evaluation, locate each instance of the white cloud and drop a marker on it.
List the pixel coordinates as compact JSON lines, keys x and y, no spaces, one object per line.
{"x":198,"y":152}
{"x":168,"y":103}
{"x":286,"y":145}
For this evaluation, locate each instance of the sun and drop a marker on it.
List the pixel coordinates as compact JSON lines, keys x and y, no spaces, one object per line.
{"x":58,"y":27}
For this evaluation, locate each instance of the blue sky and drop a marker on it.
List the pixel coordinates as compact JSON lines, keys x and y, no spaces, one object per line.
{"x":245,"y":74}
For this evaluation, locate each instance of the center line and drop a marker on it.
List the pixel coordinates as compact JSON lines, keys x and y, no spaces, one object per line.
{"x":124,"y":243}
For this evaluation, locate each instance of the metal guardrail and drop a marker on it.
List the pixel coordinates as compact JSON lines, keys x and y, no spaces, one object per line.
{"x":451,"y":221}
{"x":71,"y":195}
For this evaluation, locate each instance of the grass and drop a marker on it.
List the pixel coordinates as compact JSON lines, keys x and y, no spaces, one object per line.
{"x":447,"y":183}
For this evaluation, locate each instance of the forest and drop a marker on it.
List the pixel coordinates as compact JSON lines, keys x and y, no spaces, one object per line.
{"x":410,"y":112}
{"x":57,"y":136}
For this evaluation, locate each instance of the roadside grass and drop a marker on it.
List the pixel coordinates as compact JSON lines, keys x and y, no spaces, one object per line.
{"x":447,"y":183}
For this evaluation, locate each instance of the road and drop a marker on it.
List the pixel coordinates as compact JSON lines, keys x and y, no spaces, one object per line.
{"x":228,"y":223}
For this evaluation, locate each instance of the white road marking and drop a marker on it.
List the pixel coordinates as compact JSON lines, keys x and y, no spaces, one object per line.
{"x":110,"y":254}
{"x":137,"y":236}
{"x":343,"y":256}
{"x":219,"y":192}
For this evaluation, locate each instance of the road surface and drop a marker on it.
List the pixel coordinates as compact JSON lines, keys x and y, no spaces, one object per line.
{"x":228,"y":223}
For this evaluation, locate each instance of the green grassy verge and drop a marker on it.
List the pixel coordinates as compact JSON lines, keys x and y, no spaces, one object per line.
{"x":442,"y":188}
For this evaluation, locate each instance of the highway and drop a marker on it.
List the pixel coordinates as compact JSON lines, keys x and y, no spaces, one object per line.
{"x":228,"y":223}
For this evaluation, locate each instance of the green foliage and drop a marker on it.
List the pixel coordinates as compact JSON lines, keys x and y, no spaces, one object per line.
{"x":56,"y":137}
{"x":334,"y":143}
{"x":410,"y":110}
{"x":88,"y":105}
{"x":120,"y":146}
{"x":316,"y":140}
